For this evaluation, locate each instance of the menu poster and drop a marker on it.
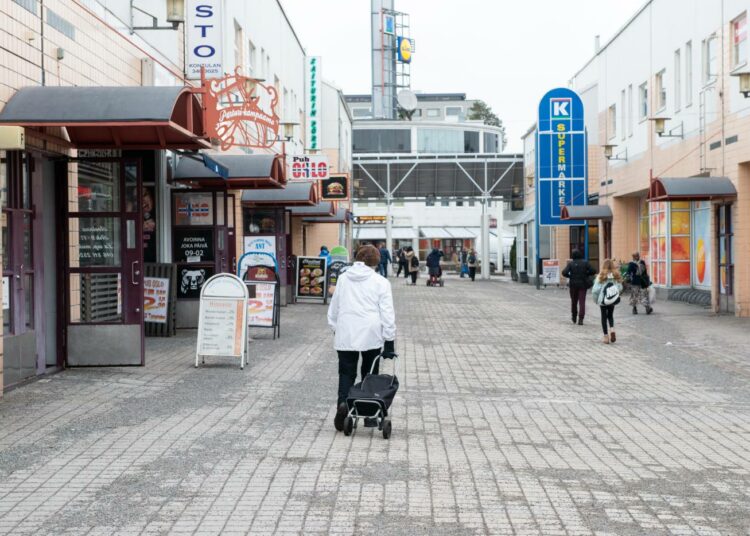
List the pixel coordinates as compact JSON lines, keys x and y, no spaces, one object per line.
{"x":193,"y":245}
{"x":311,"y":278}
{"x":260,"y":308}
{"x":336,"y":188}
{"x":155,"y":299}
{"x":220,"y":327}
{"x":96,"y":242}
{"x":334,"y":271}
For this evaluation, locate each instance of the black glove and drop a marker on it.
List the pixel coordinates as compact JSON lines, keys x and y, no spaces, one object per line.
{"x":389,"y":350}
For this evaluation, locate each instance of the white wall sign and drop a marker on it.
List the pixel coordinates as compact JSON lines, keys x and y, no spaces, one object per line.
{"x":204,"y":38}
{"x":314,"y":99}
{"x":155,"y":299}
{"x":222,"y":320}
{"x":308,"y":166}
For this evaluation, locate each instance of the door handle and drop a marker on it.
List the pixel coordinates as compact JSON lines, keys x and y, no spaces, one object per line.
{"x":134,"y":273}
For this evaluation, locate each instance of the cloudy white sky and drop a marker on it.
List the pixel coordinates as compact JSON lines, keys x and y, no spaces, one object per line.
{"x":506,"y":52}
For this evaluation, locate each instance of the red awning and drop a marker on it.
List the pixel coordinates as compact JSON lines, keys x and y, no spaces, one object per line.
{"x":113,"y":117}
{"x":246,"y":171}
{"x":691,"y":189}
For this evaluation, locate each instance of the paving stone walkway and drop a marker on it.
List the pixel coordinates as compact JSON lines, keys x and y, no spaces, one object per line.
{"x":510,"y":420}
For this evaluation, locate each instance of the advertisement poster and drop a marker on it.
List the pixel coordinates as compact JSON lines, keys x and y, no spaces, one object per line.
{"x":335,"y":188}
{"x":149,"y":224}
{"x":308,"y":166}
{"x":311,"y":278}
{"x":334,"y":271}
{"x":193,"y":245}
{"x":155,"y":299}
{"x":194,"y":209}
{"x":191,"y":280}
{"x":702,"y":245}
{"x":260,"y":308}
{"x":551,"y":272}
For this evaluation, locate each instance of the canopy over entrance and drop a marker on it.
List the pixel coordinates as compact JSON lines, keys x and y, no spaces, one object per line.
{"x":113,"y":117}
{"x":586,"y":212}
{"x":691,"y":189}
{"x":342,"y":215}
{"x":322,"y":209}
{"x":294,"y":194}
{"x":245,"y":171}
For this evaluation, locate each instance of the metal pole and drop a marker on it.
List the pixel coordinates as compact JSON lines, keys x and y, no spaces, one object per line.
{"x":485,"y":255}
{"x":388,"y":223}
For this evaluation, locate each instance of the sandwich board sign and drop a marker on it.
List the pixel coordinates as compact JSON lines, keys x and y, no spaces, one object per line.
{"x":222,"y":319}
{"x":561,"y":157}
{"x":551,"y":271}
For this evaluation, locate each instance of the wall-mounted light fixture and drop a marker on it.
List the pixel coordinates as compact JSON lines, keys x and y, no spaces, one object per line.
{"x":660,"y":127}
{"x":288,"y":129}
{"x":175,"y":16}
{"x":609,"y":153}
{"x":744,"y":77}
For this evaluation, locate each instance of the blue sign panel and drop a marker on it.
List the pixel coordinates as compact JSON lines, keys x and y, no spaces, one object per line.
{"x":561,"y":156}
{"x":214,"y":166}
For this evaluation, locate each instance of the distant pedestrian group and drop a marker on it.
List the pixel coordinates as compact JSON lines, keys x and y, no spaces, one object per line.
{"x":607,"y":288}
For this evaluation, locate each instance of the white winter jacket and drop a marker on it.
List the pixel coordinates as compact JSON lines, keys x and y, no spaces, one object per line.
{"x":361,"y":311}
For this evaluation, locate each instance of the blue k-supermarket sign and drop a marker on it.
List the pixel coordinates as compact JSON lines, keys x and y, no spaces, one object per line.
{"x":561,"y":157}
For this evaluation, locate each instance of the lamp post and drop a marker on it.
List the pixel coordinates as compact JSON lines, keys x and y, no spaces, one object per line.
{"x":661,"y":129}
{"x":175,"y":16}
{"x":744,"y":77}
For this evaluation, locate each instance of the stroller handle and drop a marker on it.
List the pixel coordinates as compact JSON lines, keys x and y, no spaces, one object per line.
{"x":396,"y":364}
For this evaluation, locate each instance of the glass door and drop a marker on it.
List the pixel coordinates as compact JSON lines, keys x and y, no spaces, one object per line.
{"x":104,"y":264}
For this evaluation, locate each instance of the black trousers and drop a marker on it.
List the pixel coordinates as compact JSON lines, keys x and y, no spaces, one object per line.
{"x":608,"y":316}
{"x":472,"y":272}
{"x":413,"y":277}
{"x":578,"y":302}
{"x":401,"y":266}
{"x":348,"y":369}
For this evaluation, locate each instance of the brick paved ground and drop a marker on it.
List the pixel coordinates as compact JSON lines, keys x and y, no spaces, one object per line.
{"x":510,"y":421}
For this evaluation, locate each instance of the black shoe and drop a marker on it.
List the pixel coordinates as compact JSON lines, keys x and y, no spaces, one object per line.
{"x":649,"y":310}
{"x":573,"y":318}
{"x":580,"y":321}
{"x":371,"y":422}
{"x":635,"y":310}
{"x":338,"y":420}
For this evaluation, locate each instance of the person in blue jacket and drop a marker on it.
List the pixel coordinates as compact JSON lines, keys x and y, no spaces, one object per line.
{"x":325,"y":254}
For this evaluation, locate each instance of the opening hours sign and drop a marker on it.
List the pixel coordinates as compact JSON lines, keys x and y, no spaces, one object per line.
{"x":562,"y":162}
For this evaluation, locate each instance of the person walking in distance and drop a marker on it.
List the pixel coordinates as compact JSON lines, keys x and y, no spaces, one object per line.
{"x":606,"y":292}
{"x":471,"y":261}
{"x":413,"y":264}
{"x":579,"y":273}
{"x":401,"y":257}
{"x":639,"y":281}
{"x":385,"y":260}
{"x":464,"y":262}
{"x":363,"y":321}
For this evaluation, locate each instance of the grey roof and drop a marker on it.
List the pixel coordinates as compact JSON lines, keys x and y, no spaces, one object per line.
{"x":342,"y":215}
{"x":90,"y":104}
{"x":244,"y":166}
{"x":691,"y":188}
{"x":324,"y":207}
{"x":292,"y":192}
{"x":587,"y":212}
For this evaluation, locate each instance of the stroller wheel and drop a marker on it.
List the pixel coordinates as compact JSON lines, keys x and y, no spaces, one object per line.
{"x":348,"y":426}
{"x":387,"y":429}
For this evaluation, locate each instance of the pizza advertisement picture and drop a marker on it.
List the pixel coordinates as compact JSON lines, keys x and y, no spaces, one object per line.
{"x":335,"y":188}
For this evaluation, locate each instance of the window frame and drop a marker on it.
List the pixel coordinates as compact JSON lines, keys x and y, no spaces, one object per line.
{"x":742,"y":46}
{"x":677,"y":80}
{"x":612,"y":122}
{"x":708,"y":45}
{"x":688,"y":74}
{"x":660,"y":91}
{"x":643,"y":101}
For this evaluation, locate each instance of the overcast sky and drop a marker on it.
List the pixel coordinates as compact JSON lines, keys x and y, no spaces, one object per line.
{"x":506,"y":52}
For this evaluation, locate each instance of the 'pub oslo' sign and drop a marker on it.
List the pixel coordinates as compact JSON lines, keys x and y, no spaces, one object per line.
{"x":561,"y":159}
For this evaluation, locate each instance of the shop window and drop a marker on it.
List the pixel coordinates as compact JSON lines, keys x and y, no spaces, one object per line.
{"x":658,"y":246}
{"x":259,"y":221}
{"x":643,"y":230}
{"x":680,"y":245}
{"x":701,"y":244}
{"x":739,"y":41}
{"x":726,"y":249}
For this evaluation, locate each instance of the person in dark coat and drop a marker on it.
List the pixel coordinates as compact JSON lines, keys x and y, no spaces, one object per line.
{"x":385,"y":260}
{"x":639,"y":281}
{"x":433,"y":262}
{"x":579,"y":273}
{"x":401,"y":256}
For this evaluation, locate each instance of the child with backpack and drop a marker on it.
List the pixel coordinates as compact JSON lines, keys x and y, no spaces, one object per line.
{"x":606,"y":292}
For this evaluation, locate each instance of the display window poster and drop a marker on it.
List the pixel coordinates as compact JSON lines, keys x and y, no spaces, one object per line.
{"x":702,"y":245}
{"x":155,"y":299}
{"x":311,"y":277}
{"x":260,"y":308}
{"x":191,"y":280}
{"x":148,"y":205}
{"x":193,"y":245}
{"x":335,"y":188}
{"x":193,"y":208}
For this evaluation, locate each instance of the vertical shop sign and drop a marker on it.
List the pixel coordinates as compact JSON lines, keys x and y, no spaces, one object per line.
{"x":561,"y":159}
{"x":203,"y":38}
{"x":155,"y":299}
{"x":313,"y":103}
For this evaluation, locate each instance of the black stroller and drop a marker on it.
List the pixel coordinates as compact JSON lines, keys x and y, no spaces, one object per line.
{"x":371,"y":398}
{"x":435,"y":278}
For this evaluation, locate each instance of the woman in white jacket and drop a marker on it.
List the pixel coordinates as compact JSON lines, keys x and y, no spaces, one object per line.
{"x":362,"y":318}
